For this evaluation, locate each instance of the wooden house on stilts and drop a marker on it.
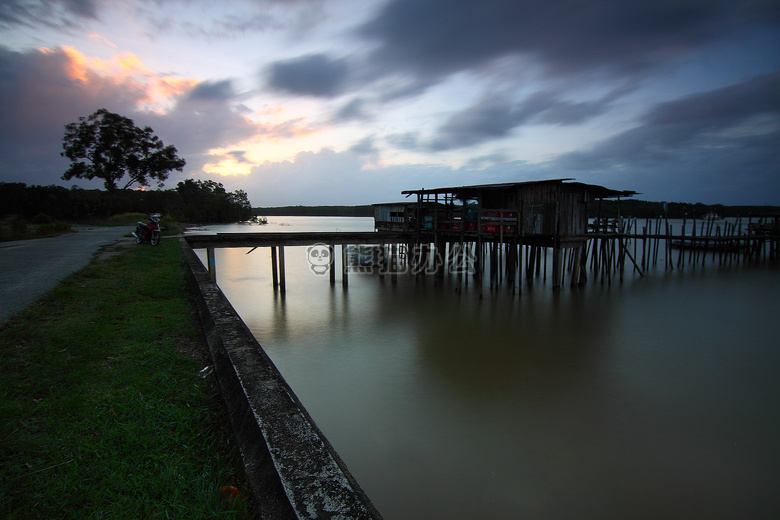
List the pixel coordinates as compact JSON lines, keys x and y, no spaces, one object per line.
{"x":495,"y":223}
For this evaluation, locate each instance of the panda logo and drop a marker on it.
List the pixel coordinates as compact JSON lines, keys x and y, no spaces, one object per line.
{"x":319,"y":258}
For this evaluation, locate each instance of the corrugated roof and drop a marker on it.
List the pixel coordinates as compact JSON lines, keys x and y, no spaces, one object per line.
{"x":600,"y":191}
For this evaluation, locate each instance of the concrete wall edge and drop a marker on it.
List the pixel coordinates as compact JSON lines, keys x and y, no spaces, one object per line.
{"x":292,"y":469}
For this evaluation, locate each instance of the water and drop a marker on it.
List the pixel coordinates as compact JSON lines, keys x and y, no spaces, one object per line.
{"x":654,"y":398}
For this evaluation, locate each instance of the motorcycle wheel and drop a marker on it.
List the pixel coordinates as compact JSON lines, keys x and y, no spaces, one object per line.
{"x":155,"y":239}
{"x":138,"y":240}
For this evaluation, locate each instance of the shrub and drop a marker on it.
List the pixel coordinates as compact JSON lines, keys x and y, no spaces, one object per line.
{"x":42,"y":218}
{"x":52,"y":229}
{"x":13,"y":227}
{"x":128,"y":219}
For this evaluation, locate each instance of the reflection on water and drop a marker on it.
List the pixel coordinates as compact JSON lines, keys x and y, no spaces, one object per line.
{"x":655,"y":398}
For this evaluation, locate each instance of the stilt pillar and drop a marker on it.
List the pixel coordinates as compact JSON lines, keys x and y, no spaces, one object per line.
{"x":212,"y":263}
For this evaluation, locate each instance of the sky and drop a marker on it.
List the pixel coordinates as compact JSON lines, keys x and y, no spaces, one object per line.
{"x":328,"y":102}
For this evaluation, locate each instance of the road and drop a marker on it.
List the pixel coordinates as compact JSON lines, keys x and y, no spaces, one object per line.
{"x":31,"y":268}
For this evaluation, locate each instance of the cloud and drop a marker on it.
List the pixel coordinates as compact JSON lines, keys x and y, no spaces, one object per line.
{"x":97,"y":37}
{"x":355,"y":110}
{"x":229,"y":20}
{"x":719,"y":146}
{"x":42,"y":91}
{"x":494,"y":117}
{"x":51,"y":13}
{"x":332,"y":178}
{"x":41,"y":94}
{"x":239,"y":156}
{"x":722,"y":107}
{"x":312,"y":75}
{"x":723,"y":119}
{"x":219,"y":91}
{"x":436,"y":38}
{"x":489,"y":119}
{"x":365,"y":148}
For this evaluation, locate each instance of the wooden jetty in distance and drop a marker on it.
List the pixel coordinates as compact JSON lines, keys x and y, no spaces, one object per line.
{"x":496,"y":221}
{"x":504,"y":232}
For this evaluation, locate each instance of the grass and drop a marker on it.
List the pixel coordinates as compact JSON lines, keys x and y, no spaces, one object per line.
{"x":102,"y":412}
{"x":16,"y":227}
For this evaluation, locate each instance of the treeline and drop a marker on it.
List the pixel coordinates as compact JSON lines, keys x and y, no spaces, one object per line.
{"x":315,"y":211}
{"x":192,"y":201}
{"x":646,"y":209}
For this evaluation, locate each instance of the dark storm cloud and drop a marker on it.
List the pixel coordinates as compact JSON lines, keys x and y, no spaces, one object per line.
{"x":238,"y":155}
{"x":490,"y":119}
{"x":494,"y":118}
{"x":46,"y":12}
{"x":212,"y":91}
{"x":440,"y":37}
{"x":737,"y":119}
{"x":405,"y":140}
{"x":312,"y":75}
{"x":40,"y":97}
{"x":364,"y":146}
{"x":722,"y":107}
{"x":38,"y":100}
{"x":352,"y":111}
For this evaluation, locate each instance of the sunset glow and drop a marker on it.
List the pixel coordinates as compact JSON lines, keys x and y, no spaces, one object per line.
{"x":127,"y":68}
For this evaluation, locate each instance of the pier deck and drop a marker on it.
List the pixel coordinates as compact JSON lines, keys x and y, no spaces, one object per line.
{"x":296,"y":239}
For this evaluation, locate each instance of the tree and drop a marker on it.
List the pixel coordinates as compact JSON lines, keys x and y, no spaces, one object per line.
{"x":208,"y":201}
{"x":108,"y":146}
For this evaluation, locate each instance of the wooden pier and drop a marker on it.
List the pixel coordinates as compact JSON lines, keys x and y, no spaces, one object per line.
{"x":277,"y":242}
{"x":505,"y":233}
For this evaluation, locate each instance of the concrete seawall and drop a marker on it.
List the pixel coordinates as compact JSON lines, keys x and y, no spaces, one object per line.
{"x":292,"y":469}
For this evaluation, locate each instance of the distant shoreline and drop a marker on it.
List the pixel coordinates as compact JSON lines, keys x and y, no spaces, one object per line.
{"x":609,"y":208}
{"x":315,"y":211}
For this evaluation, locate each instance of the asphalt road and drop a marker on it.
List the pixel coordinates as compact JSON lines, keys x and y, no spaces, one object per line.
{"x":31,"y":268}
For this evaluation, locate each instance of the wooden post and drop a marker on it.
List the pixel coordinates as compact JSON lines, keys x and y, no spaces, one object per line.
{"x":282,"y":282}
{"x":274,"y":268}
{"x":493,"y":264}
{"x":511,"y":264}
{"x":577,"y":262}
{"x":394,"y":264}
{"x":344,"y":266}
{"x":520,"y":265}
{"x":212,"y":263}
{"x":332,"y":264}
{"x":557,"y":267}
{"x":383,"y":263}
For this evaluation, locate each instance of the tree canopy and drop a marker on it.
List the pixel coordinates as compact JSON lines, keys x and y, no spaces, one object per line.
{"x":109,"y":146}
{"x":208,"y":201}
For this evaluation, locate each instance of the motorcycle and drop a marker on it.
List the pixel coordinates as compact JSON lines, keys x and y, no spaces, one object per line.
{"x":150,"y":231}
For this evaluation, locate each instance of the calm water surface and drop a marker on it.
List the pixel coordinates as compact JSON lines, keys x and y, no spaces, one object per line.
{"x":654,"y":398}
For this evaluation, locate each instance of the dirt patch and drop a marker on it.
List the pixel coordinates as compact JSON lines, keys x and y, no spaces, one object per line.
{"x":117,"y":248}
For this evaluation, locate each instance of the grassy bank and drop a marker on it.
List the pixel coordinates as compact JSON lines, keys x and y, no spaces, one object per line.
{"x":102,"y":411}
{"x":16,"y":227}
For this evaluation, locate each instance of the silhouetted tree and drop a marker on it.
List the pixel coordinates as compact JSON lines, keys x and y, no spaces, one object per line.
{"x":108,"y":146}
{"x":208,"y":201}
